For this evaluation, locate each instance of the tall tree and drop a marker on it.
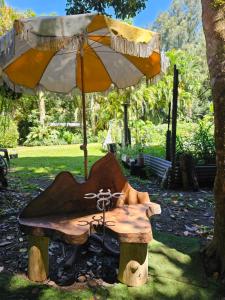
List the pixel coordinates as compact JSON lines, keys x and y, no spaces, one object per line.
{"x":184,"y":16}
{"x":9,"y":14}
{"x":122,"y":9}
{"x":213,"y":16}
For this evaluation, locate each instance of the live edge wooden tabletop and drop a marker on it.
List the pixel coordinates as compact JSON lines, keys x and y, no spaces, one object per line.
{"x":62,"y":209}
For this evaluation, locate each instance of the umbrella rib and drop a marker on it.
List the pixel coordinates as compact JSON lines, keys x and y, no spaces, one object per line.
{"x":93,"y":41}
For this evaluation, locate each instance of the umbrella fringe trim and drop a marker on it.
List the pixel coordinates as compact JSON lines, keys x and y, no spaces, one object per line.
{"x":132,"y":48}
{"x":45,"y":43}
{"x":7,"y":47}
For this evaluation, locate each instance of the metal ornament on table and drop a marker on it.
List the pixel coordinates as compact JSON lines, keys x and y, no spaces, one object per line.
{"x":104,"y":201}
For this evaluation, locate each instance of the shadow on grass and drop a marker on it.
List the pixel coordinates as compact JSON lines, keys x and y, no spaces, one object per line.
{"x":18,"y":288}
{"x":33,"y":171}
{"x":175,"y":273}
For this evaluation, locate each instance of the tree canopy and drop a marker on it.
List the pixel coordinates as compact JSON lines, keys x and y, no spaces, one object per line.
{"x":184,"y":18}
{"x":122,"y":9}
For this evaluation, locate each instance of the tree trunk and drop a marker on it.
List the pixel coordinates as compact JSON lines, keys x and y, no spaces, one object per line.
{"x":214,"y":28}
{"x":41,"y":107}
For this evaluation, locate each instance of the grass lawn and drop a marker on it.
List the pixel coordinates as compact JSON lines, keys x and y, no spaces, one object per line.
{"x":48,"y":161}
{"x":175,"y":272}
{"x":43,"y":162}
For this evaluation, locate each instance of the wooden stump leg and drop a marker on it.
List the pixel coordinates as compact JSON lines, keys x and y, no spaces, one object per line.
{"x":38,"y":258}
{"x":133,"y":268}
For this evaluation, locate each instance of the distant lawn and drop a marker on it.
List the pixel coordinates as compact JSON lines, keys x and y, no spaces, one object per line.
{"x":44,"y":162}
{"x":156,"y":150}
{"x":48,"y":161}
{"x":175,"y":269}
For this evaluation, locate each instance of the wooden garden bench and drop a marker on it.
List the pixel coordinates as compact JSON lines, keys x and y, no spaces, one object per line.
{"x":62,"y":208}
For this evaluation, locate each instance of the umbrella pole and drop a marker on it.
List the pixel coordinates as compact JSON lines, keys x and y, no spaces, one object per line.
{"x":84,"y":146}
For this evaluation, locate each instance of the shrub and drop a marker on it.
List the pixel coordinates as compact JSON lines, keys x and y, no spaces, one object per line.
{"x":147,"y":133}
{"x":8,"y":133}
{"x":43,"y":136}
{"x":68,"y":137}
{"x":204,"y":143}
{"x":200,"y":143}
{"x":102,"y":136}
{"x":78,"y":138}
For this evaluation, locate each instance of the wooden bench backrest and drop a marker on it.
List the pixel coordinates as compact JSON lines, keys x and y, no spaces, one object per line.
{"x":66,"y":195}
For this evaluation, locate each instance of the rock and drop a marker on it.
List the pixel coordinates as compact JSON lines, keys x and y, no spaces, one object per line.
{"x":92,"y":283}
{"x":172,"y":216}
{"x":89,"y":263}
{"x":186,"y":233}
{"x":51,"y":283}
{"x":10,"y":237}
{"x":81,"y":278}
{"x":1,"y":269}
{"x":23,"y":250}
{"x":21,"y":239}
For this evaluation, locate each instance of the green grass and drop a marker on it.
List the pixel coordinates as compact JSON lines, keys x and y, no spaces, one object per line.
{"x":35,"y":164}
{"x":156,"y":150}
{"x":48,"y":161}
{"x":175,"y":269}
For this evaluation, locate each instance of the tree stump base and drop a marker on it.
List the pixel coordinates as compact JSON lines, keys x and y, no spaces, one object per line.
{"x":38,"y":263}
{"x":133,"y":268}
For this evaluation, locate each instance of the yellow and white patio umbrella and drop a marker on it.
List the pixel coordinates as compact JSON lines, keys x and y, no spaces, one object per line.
{"x":90,"y":52}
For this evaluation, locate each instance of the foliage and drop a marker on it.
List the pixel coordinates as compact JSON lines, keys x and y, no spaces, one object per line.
{"x":146,"y":133}
{"x":200,"y":143}
{"x":204,"y":143}
{"x":42,"y":135}
{"x":218,"y":3}
{"x":71,"y":137}
{"x":8,"y":15}
{"x":8,"y":133}
{"x":101,"y":136}
{"x":184,"y":16}
{"x":122,"y":9}
{"x":68,"y":137}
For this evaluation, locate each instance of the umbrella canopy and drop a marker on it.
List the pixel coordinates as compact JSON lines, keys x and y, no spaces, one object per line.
{"x":90,"y":52}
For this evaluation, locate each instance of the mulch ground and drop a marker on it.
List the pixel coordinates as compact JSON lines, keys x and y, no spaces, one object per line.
{"x":183,"y":214}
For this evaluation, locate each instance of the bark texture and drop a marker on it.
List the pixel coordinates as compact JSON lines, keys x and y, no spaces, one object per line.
{"x":214,"y":28}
